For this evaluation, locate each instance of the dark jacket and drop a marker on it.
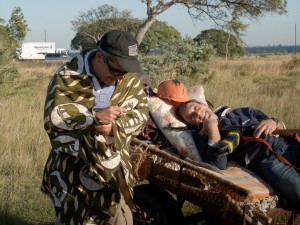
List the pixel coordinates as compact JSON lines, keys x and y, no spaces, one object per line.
{"x":248,"y":154}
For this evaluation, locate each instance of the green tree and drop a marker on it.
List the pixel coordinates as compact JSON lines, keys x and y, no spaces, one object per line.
{"x":219,"y":40}
{"x":236,"y":28}
{"x":81,"y":42}
{"x":91,"y":25}
{"x":8,"y":70}
{"x":17,"y":26}
{"x":11,"y":36}
{"x":158,"y":33}
{"x":182,"y":58}
{"x":216,"y":10}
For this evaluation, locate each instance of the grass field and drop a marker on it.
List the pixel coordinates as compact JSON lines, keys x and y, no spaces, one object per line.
{"x":271,"y":83}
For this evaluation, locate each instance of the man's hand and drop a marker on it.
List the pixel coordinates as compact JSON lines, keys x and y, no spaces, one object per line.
{"x":105,"y":129}
{"x":109,"y":114}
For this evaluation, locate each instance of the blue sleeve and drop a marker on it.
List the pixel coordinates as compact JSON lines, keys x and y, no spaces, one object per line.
{"x":243,"y":116}
{"x":258,"y":114}
{"x":208,"y":153}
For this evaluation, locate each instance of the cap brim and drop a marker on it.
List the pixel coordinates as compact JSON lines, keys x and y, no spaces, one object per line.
{"x":130,"y":65}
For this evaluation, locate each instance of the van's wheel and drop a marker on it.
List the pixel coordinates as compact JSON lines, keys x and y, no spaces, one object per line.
{"x":155,"y":206}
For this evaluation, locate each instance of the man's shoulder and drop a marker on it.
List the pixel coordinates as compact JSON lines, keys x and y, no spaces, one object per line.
{"x":130,"y":79}
{"x":74,"y":67}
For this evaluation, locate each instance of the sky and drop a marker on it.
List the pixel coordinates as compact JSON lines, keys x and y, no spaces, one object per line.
{"x":50,"y":20}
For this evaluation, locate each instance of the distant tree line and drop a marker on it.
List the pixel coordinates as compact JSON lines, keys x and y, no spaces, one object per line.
{"x":273,"y":49}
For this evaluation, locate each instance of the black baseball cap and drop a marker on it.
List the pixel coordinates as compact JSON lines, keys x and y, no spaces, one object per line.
{"x":124,"y":47}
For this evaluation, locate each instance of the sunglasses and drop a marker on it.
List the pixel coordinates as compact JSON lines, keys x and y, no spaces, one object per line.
{"x":113,"y":70}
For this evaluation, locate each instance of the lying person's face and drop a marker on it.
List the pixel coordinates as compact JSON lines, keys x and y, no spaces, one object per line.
{"x":195,"y":113}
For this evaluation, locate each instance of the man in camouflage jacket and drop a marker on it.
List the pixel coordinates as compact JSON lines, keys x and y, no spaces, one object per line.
{"x":95,"y":106}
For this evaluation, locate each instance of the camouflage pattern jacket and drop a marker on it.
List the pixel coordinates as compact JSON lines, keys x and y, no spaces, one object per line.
{"x":80,"y":159}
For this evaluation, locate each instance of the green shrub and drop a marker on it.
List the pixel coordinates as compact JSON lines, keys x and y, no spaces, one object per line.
{"x":182,"y":59}
{"x":8,"y":70}
{"x":243,"y":70}
{"x":293,"y":64}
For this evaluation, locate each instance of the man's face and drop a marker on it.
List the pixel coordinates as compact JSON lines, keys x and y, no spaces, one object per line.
{"x":108,"y":70}
{"x":195,"y":113}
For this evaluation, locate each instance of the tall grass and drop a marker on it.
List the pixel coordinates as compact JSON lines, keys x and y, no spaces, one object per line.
{"x":24,"y":147}
{"x":270,"y":83}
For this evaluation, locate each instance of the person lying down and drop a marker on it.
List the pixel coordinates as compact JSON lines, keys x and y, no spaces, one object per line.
{"x":275,"y":159}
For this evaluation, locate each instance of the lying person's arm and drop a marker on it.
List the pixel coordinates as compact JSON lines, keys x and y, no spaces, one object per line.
{"x":208,"y":136}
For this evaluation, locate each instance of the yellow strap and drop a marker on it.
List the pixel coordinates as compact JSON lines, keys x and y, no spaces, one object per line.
{"x":230,"y":143}
{"x":237,"y":134}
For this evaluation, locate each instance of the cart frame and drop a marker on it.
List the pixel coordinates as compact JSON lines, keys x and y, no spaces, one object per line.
{"x":193,"y":182}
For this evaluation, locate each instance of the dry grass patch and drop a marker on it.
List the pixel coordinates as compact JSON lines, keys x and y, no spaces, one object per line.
{"x":261,"y":82}
{"x":270,"y":83}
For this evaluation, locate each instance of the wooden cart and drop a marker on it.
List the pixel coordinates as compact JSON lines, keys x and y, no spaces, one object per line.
{"x":222,"y":200}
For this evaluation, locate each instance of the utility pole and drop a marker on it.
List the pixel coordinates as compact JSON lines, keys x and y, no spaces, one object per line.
{"x":45,"y":35}
{"x":295,"y":38}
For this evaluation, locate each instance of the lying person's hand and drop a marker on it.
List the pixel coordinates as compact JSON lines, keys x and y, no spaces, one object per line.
{"x":265,"y":128}
{"x":210,"y":127}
